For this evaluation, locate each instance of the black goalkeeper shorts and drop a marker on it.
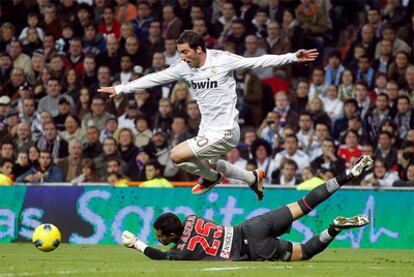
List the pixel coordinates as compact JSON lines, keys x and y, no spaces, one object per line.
{"x":262,"y":232}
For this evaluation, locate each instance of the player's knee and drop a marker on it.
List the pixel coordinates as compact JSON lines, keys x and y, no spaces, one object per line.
{"x":175,"y":156}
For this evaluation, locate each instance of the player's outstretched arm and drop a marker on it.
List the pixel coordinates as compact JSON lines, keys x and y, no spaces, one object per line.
{"x":131,"y":241}
{"x":148,"y":81}
{"x":304,"y":55}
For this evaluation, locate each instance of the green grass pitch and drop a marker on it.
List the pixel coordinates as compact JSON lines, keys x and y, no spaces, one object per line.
{"x":23,"y":259}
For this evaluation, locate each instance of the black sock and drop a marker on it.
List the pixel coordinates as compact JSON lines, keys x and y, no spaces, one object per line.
{"x":318,"y":243}
{"x":322,"y":192}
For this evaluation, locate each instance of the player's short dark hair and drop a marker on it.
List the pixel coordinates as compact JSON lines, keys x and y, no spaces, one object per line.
{"x":193,"y":39}
{"x":169,"y":223}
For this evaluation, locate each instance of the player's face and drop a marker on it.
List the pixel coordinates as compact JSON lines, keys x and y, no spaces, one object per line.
{"x":189,"y":55}
{"x":165,"y":240}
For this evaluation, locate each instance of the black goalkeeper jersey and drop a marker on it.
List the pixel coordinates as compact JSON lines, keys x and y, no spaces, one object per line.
{"x":203,"y":239}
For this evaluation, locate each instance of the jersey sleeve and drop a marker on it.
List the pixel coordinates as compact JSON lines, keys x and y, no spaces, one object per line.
{"x":234,"y":61}
{"x":151,"y":80}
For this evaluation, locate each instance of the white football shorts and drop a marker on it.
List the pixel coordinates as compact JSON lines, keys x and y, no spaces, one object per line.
{"x":212,"y":145}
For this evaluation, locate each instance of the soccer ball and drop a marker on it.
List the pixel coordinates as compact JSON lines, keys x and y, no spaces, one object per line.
{"x":46,"y":237}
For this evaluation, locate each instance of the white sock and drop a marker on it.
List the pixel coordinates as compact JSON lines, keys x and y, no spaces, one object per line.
{"x":199,"y":168}
{"x":234,"y":172}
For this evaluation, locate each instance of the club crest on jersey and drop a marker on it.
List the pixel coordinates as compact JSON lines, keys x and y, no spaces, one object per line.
{"x":204,"y":84}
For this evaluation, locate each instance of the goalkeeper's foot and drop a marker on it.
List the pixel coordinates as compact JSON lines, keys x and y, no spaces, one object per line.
{"x":356,"y":221}
{"x":363,"y":163}
{"x":128,"y":239}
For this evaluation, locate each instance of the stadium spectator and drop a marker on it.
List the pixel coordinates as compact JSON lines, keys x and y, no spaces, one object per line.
{"x":194,"y":117}
{"x":201,"y":28}
{"x":64,"y":111}
{"x":50,"y":101}
{"x":89,"y":71}
{"x":363,"y":100}
{"x":334,"y":68}
{"x":155,"y":41}
{"x":6,"y":171}
{"x":292,"y":29}
{"x":146,"y":105}
{"x":110,"y":151}
{"x":125,"y":11}
{"x":329,"y":160}
{"x":20,"y":59}
{"x":386,"y":150}
{"x":89,"y":173}
{"x":397,"y":44}
{"x":306,"y":131}
{"x":316,"y":110}
{"x":72,"y":130}
{"x":126,"y":70}
{"x":109,"y":25}
{"x":365,"y":71}
{"x":7,"y":35}
{"x":153,"y":176}
{"x":8,"y":126}
{"x":332,"y":104}
{"x":52,"y":142}
{"x":367,"y":40}
{"x":261,"y":151}
{"x":84,"y":103}
{"x":137,"y":53}
{"x":71,"y":165}
{"x":269,"y":129}
{"x":126,"y":144}
{"x":318,"y":85}
{"x":163,"y":118}
{"x":222,"y":25}
{"x":93,"y":147}
{"x":384,"y":58}
{"x":49,"y":49}
{"x":160,"y":149}
{"x":379,"y":85}
{"x":6,"y":66}
{"x":63,"y":43}
{"x":22,"y":164}
{"x":93,"y":42}
{"x":291,"y":151}
{"x":282,"y":108}
{"x":171,"y":25}
{"x":286,"y":176}
{"x":127,"y":120}
{"x":110,"y":58}
{"x":111,"y":125}
{"x":142,"y":131}
{"x":351,"y":149}
{"x":33,"y":155}
{"x":23,"y":140}
{"x":314,"y":23}
{"x":180,"y":96}
{"x":135,"y":169}
{"x":377,"y":116}
{"x":17,"y":79}
{"x":112,"y":166}
{"x":409,"y":181}
{"x":171,"y":54}
{"x":98,"y":116}
{"x":179,"y":132}
{"x":375,"y":20}
{"x":56,"y":68}
{"x":322,"y":132}
{"x":405,"y":116}
{"x":397,"y":69}
{"x":143,"y":19}
{"x":259,"y":24}
{"x":382,"y":175}
{"x":44,"y":172}
{"x":355,"y":124}
{"x":7,"y":150}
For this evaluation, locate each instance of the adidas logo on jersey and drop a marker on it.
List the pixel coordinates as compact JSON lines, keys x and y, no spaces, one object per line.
{"x":204,"y":84}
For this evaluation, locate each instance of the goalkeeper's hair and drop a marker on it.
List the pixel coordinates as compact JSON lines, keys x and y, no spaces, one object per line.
{"x":169,"y":223}
{"x":193,"y":39}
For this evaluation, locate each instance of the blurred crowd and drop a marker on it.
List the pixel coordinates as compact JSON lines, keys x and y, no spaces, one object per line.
{"x":302,"y":123}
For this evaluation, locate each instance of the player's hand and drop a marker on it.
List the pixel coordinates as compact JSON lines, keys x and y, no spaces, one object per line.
{"x":307,"y":55}
{"x":108,"y":90}
{"x":128,"y":239}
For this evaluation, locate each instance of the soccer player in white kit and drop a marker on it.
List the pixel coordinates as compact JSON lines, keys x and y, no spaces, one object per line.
{"x":210,"y":74}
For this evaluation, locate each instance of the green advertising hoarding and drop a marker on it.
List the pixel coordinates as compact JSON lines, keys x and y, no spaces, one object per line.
{"x":89,"y":215}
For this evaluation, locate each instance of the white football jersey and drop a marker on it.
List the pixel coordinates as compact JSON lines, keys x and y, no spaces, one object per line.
{"x":213,"y":85}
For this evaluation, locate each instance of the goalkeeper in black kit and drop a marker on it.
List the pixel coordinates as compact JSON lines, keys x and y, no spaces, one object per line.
{"x":257,"y":238}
